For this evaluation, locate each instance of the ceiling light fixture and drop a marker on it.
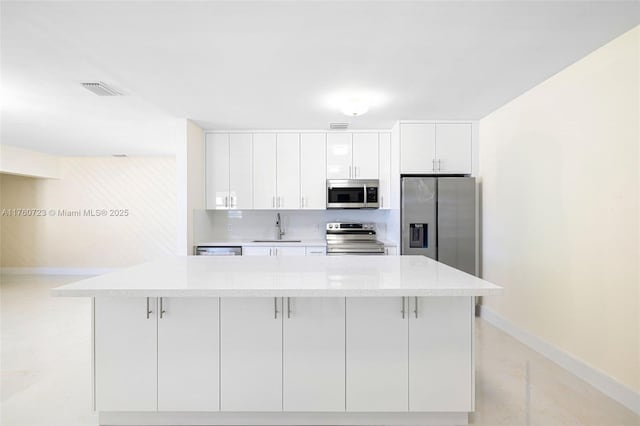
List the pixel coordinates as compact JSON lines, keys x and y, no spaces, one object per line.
{"x":101,"y":89}
{"x":354,"y":106}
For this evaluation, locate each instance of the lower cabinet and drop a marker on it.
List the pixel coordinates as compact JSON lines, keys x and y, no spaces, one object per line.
{"x":440,"y":354}
{"x":148,"y":352}
{"x":188,"y":353}
{"x":251,"y":354}
{"x":274,"y":251}
{"x":360,"y":354}
{"x":377,"y":354}
{"x":313,"y":350}
{"x":125,"y":354}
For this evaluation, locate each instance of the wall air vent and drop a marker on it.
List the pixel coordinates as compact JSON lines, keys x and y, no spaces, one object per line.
{"x":101,"y":89}
{"x":338,"y":126}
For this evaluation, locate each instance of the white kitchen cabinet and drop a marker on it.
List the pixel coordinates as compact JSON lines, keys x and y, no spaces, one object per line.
{"x":217,"y":171}
{"x":384,"y":170}
{"x":417,"y":147}
{"x":391,"y":250}
{"x":316,"y":251}
{"x":288,"y":171}
{"x":435,"y":148}
{"x":440,"y":354}
{"x":313,"y":171}
{"x":453,"y":148}
{"x":251,"y":354}
{"x":339,"y":156}
{"x":264,"y":171}
{"x":377,"y":354}
{"x":365,"y":156}
{"x":314,"y":349}
{"x":240,"y":170}
{"x":289,"y":251}
{"x":273,"y":251}
{"x":125,"y":354}
{"x":188,"y":354}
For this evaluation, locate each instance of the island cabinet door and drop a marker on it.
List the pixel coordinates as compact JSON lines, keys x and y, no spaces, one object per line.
{"x":377,"y":354}
{"x":251,"y":354}
{"x":125,"y":336}
{"x":188,"y":351}
{"x":440,"y":354}
{"x":314,"y":350}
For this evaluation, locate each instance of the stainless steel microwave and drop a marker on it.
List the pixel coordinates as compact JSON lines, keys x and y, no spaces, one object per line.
{"x":352,"y":194}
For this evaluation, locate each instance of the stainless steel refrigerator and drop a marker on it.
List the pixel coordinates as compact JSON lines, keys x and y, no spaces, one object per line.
{"x":439,"y":219}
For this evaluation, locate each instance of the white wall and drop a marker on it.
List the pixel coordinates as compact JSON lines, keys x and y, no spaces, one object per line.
{"x":145,"y":186}
{"x":560,"y":217}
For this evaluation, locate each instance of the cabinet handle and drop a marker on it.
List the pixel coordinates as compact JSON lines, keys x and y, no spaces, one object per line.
{"x":275,"y":308}
{"x":439,"y":165}
{"x":355,"y":172}
{"x":233,"y":201}
{"x":349,"y":172}
{"x":149,"y":311}
{"x":162,"y":311}
{"x":433,"y":164}
{"x":226,"y":201}
{"x":403,"y":308}
{"x":288,"y":307}
{"x":279,"y":202}
{"x":415,"y":301}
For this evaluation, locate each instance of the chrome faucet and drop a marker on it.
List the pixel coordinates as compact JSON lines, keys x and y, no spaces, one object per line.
{"x":279,"y":227}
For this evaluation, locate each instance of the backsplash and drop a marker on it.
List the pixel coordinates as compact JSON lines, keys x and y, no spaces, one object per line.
{"x":233,"y":225}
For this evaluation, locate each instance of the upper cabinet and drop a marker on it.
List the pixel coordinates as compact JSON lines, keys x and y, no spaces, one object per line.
{"x":384,"y":170}
{"x":264,"y":171}
{"x":436,"y":148}
{"x":313,"y":171}
{"x":228,"y":171}
{"x":352,"y":156}
{"x":288,"y":171}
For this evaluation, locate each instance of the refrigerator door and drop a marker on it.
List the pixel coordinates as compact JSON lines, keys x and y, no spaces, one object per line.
{"x":457,"y":223}
{"x":419,"y":226}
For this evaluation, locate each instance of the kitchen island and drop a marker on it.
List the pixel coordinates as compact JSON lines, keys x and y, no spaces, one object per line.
{"x":283,"y":340}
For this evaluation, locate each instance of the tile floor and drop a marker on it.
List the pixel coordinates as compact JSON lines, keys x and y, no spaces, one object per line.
{"x":45,"y":365}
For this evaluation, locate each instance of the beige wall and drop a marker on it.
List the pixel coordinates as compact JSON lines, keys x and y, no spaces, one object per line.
{"x":144,"y":186}
{"x":28,"y":163}
{"x":560,"y":189}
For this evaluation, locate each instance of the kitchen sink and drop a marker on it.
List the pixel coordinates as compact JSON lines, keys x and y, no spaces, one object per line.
{"x":276,"y":241}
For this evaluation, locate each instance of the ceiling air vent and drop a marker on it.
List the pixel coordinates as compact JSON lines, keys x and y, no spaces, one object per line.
{"x":101,"y":89}
{"x":338,"y":126}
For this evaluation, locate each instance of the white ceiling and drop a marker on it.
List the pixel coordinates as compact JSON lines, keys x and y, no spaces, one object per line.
{"x":275,"y":65}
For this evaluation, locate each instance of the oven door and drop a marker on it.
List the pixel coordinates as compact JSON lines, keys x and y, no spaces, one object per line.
{"x":352,"y":194}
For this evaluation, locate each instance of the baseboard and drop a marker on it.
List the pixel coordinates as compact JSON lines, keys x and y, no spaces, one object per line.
{"x":55,"y":271}
{"x":598,"y":379}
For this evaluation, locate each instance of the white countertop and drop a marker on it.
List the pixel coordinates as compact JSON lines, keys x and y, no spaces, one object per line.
{"x":275,"y":276}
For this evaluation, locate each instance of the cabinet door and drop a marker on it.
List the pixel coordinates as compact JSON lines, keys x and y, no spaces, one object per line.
{"x":289,"y":251}
{"x":217,"y":171}
{"x":365,"y":155}
{"x":314,"y":349}
{"x":240,"y":170}
{"x":264,"y":171}
{"x":257,"y":251}
{"x":391,"y":251}
{"x":339,"y":157}
{"x":313,"y":171}
{"x":453,"y":148}
{"x":384,"y":170}
{"x":251,"y":354}
{"x":188,"y":354}
{"x":125,"y":354}
{"x":417,"y":148}
{"x":377,"y":354}
{"x":440,"y":357}
{"x":288,"y":181}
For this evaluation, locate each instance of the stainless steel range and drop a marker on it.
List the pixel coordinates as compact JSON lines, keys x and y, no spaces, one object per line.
{"x":353,"y":239}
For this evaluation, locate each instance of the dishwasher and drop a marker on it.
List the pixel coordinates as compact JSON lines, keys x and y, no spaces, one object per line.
{"x":218,"y":251}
